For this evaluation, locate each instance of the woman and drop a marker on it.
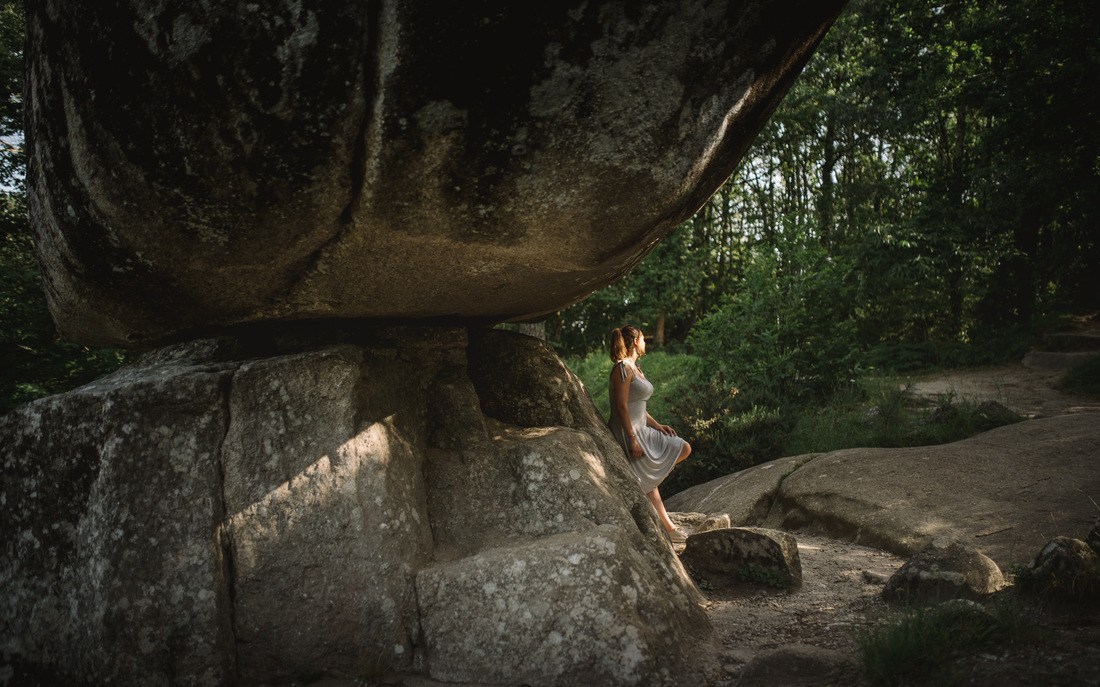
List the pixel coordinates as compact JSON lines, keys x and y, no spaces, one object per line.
{"x":653,"y":448}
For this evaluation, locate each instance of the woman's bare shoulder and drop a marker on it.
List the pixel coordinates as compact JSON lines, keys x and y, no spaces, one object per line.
{"x":622,"y":371}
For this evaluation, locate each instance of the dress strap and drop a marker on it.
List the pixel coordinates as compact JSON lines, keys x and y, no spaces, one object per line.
{"x":622,"y":369}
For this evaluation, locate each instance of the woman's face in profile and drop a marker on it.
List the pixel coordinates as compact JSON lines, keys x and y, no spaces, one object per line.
{"x":641,"y":343}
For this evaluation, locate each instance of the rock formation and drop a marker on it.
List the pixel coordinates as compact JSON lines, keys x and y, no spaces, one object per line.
{"x":981,"y":489}
{"x":944,"y":569}
{"x":198,"y":166}
{"x":247,"y":511}
{"x":728,"y":557}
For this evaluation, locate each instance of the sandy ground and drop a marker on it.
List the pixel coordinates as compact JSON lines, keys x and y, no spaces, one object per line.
{"x":1026,"y":390}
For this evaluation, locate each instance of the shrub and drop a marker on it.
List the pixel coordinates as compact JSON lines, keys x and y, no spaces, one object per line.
{"x":919,"y":645}
{"x":786,"y":335}
{"x":1083,"y":378}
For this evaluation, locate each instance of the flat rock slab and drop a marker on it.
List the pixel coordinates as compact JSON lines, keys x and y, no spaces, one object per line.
{"x":1004,"y":490}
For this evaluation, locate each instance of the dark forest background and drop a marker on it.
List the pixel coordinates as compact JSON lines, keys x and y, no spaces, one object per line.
{"x":925,"y":196}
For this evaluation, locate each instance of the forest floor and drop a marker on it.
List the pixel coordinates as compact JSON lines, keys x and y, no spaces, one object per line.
{"x":842,"y":581}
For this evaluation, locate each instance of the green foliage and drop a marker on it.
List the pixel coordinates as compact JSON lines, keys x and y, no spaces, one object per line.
{"x":924,"y":645}
{"x":785,"y":335}
{"x":1083,"y":378}
{"x":882,"y":413}
{"x":669,"y":373}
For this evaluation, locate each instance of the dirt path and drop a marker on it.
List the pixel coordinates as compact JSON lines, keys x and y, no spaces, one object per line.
{"x":1028,"y":391}
{"x":836,"y":599}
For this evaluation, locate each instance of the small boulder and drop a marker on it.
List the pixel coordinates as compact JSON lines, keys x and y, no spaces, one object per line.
{"x":1064,"y":567}
{"x":944,"y":569}
{"x":696,"y":523}
{"x":796,"y":665}
{"x":993,"y":414}
{"x":727,"y":557}
{"x":1093,"y":538}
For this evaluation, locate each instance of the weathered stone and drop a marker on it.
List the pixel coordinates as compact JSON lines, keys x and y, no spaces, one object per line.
{"x":211,"y":515}
{"x":729,"y":557}
{"x":994,"y":414}
{"x":576,"y":608}
{"x":694,"y":523}
{"x":1064,"y":567}
{"x":797,"y":665}
{"x":198,"y":167}
{"x":115,"y":562}
{"x":1093,"y":537}
{"x":944,"y":569}
{"x":896,"y":499}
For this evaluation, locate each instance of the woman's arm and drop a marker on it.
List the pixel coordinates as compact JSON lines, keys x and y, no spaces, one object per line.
{"x":620,"y":396}
{"x":658,"y":426}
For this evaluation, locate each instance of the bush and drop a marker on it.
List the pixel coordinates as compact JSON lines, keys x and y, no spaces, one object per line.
{"x":1083,"y":378}
{"x":919,"y":646}
{"x":786,"y":336}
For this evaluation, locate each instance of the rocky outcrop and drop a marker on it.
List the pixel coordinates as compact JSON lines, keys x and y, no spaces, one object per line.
{"x":730,"y":557}
{"x":259,"y":510}
{"x":983,"y":489}
{"x":942,"y":570}
{"x":193,"y":167}
{"x":694,"y":523}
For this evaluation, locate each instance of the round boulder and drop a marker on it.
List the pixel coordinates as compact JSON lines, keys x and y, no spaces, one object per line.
{"x":944,"y":569}
{"x":194,"y":167}
{"x":1064,"y":567}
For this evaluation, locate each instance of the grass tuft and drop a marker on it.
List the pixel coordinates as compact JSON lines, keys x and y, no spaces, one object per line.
{"x":925,"y":645}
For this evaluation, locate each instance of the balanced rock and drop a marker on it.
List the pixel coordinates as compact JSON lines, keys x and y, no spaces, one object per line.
{"x":729,"y":557}
{"x":944,"y":569}
{"x":198,"y":166}
{"x":263,"y":511}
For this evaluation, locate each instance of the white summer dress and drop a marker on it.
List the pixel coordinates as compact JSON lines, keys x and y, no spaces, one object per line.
{"x":659,"y":450}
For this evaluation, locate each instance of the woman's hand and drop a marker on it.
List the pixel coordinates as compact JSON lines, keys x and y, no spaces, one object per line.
{"x":665,"y":429}
{"x":635,"y":448}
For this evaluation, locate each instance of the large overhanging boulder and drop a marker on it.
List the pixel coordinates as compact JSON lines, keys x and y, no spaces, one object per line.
{"x":195,"y":166}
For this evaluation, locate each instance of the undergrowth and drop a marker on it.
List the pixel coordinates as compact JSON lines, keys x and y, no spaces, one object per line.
{"x":926,"y":645}
{"x":1083,"y":378}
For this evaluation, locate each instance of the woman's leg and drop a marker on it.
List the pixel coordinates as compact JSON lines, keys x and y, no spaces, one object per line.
{"x":684,"y":453}
{"x":655,"y":496}
{"x":662,"y":514}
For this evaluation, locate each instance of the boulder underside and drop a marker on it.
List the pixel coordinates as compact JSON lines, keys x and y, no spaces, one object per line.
{"x":247,"y":512}
{"x":194,"y":167}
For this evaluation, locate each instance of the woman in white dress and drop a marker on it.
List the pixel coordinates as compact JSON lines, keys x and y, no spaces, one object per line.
{"x":653,"y":449}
